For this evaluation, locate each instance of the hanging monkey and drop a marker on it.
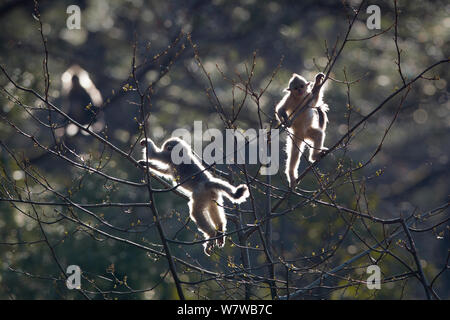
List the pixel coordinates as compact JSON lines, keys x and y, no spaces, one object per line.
{"x":204,"y":190}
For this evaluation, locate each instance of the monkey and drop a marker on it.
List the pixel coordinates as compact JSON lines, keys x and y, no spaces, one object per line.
{"x":84,"y":100}
{"x":204,"y":190}
{"x":303,"y":112}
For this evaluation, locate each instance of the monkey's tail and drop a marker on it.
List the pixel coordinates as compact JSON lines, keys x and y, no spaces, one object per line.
{"x":323,"y":119}
{"x":236,"y":195}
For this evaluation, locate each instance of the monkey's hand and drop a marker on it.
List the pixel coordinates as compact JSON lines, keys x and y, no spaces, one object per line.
{"x":287,"y":123}
{"x":318,"y":83}
{"x":284,"y":119}
{"x":319,"y":78}
{"x":143,"y":163}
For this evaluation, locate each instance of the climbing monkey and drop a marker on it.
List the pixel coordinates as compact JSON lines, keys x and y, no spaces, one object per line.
{"x":303,"y":112}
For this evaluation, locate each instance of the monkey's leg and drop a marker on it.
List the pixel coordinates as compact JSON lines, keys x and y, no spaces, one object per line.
{"x":218,"y":217}
{"x":317,"y":137}
{"x":199,"y":205}
{"x":294,"y":149}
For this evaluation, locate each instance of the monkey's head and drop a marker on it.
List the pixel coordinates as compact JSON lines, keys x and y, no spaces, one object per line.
{"x":171,"y":143}
{"x":297,"y":85}
{"x":178,"y":146}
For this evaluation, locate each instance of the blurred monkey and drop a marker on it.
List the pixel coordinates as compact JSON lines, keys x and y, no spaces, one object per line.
{"x":306,"y":123}
{"x":204,"y":190}
{"x":82,"y":98}
{"x":81,"y":101}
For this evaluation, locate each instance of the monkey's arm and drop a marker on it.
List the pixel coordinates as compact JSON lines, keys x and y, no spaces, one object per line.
{"x":315,"y":92}
{"x":283,"y":117}
{"x":281,"y":113}
{"x":155,"y":168}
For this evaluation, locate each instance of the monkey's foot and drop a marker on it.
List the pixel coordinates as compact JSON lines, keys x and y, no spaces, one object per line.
{"x":314,"y":157}
{"x":317,"y":155}
{"x":292,"y":181}
{"x":220,"y":241}
{"x":209,"y":247}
